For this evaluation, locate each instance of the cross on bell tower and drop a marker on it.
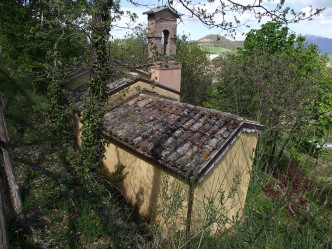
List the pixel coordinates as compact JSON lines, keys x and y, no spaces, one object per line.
{"x":162,"y":24}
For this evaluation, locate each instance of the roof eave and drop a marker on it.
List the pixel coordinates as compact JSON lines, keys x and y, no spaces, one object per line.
{"x":172,"y":170}
{"x":159,"y":9}
{"x":247,"y":126}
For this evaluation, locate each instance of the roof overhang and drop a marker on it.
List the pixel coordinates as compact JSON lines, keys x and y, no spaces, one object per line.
{"x":162,"y":8}
{"x":246,"y":126}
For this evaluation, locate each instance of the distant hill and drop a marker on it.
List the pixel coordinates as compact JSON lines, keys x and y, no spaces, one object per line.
{"x":219,"y":41}
{"x":324,"y":44}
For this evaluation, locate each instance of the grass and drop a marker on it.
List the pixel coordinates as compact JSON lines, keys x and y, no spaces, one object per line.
{"x":323,"y":170}
{"x":216,"y":50}
{"x":269,"y":222}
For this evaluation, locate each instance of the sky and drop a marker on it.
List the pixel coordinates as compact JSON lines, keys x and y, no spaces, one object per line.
{"x":320,"y":26}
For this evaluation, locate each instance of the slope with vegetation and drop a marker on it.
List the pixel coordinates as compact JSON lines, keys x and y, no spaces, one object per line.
{"x":67,"y":201}
{"x":279,"y":81}
{"x":219,"y":41}
{"x":61,"y":209}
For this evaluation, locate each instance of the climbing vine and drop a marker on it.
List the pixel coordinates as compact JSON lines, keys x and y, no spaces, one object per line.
{"x":93,"y":148}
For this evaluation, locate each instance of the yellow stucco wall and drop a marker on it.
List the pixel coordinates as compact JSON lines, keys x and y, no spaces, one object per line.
{"x":214,"y":205}
{"x":140,"y":85}
{"x":164,"y":198}
{"x":157,"y":194}
{"x":77,"y":81}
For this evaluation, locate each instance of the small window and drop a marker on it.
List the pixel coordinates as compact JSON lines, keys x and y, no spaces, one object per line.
{"x":165,"y":37}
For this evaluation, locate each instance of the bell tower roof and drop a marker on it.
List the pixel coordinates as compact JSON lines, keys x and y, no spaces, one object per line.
{"x":162,"y":8}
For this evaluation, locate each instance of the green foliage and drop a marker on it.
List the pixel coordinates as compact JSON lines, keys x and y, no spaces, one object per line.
{"x":274,"y":80}
{"x":132,"y":49}
{"x":118,"y":175}
{"x":271,"y":38}
{"x":39,"y":40}
{"x":322,"y":111}
{"x":59,"y":117}
{"x":61,"y":209}
{"x":28,"y":34}
{"x":93,"y":148}
{"x":196,"y":77}
{"x":92,"y":151}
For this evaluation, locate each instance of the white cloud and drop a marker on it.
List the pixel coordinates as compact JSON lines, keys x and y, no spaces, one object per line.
{"x":313,"y":3}
{"x":325,"y":22}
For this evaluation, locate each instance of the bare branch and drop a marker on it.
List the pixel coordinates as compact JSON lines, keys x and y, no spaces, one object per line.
{"x":279,"y":11}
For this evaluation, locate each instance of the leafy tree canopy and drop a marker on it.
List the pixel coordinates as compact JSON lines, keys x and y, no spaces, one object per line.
{"x":196,"y":75}
{"x":272,"y":37}
{"x":133,"y":49}
{"x":275,"y":80}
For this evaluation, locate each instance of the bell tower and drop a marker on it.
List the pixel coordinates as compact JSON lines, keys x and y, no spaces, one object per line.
{"x":162,"y":23}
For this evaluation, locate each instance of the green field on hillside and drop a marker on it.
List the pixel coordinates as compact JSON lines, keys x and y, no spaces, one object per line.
{"x":329,"y":56}
{"x":216,"y":50}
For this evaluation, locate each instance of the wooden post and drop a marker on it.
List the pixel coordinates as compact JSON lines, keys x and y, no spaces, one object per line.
{"x":13,"y":187}
{"x":3,"y":229}
{"x":3,"y":106}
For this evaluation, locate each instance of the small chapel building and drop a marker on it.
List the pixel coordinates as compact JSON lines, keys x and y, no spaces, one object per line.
{"x":186,"y":167}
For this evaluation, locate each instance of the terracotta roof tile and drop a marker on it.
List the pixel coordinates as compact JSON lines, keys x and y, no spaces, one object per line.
{"x":196,"y":126}
{"x":173,"y":157}
{"x":183,"y":148}
{"x":196,"y":138}
{"x":188,"y":124}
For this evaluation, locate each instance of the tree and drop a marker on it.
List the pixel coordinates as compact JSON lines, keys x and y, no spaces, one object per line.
{"x":274,"y":79}
{"x":272,"y":37}
{"x":40,"y":24}
{"x":321,"y":112}
{"x":196,"y":75}
{"x":133,"y":49}
{"x":93,"y":148}
{"x":44,"y":38}
{"x":29,"y":32}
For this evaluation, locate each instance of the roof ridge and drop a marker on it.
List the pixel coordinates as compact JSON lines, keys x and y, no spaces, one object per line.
{"x":161,"y":8}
